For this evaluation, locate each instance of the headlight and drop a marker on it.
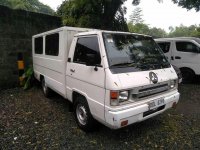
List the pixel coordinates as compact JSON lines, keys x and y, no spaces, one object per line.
{"x":173,"y":84}
{"x":123,"y":96}
{"x":117,"y":97}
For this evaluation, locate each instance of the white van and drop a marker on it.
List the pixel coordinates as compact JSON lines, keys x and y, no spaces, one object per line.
{"x":184,"y":53}
{"x":116,"y":78}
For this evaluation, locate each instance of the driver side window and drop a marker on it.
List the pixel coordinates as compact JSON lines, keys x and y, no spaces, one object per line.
{"x":86,"y":46}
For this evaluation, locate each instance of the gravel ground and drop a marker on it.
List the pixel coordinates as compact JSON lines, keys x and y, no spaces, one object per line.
{"x":28,"y":120}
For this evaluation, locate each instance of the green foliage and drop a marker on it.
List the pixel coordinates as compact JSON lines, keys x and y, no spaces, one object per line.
{"x":104,"y":14}
{"x":27,"y":77}
{"x":188,"y":4}
{"x":181,"y":31}
{"x":29,"y":5}
{"x":4,"y":2}
{"x":136,"y":16}
{"x":157,"y":32}
{"x":145,"y":29}
{"x":138,"y":28}
{"x":136,"y":25}
{"x":100,"y":14}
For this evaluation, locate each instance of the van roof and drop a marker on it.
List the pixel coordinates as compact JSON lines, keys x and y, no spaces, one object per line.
{"x":105,"y":31}
{"x":84,"y":31}
{"x":179,"y":38}
{"x":61,"y":29}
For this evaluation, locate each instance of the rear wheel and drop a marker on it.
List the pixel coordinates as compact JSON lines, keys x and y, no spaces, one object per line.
{"x":82,"y":114}
{"x":188,"y":75}
{"x":45,"y":89}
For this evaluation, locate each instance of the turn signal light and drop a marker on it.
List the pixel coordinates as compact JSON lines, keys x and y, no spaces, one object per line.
{"x":114,"y":95}
{"x":124,"y":123}
{"x":174,"y":105}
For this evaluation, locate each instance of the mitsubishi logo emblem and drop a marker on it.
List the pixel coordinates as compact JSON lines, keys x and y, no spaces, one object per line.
{"x":153,"y":77}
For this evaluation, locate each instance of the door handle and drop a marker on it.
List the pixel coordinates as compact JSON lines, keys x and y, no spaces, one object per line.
{"x":172,"y":58}
{"x":72,"y":70}
{"x":177,"y":57}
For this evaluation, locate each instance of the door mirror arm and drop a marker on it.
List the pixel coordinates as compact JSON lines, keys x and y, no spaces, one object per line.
{"x":95,"y":68}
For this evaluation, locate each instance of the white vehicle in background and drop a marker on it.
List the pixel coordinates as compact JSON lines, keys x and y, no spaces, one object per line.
{"x":184,"y":53}
{"x":116,"y":78}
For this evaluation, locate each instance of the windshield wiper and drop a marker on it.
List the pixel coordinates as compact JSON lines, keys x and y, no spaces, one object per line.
{"x":126,"y":64}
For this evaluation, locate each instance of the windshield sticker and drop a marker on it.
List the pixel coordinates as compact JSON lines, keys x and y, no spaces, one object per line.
{"x":109,"y":38}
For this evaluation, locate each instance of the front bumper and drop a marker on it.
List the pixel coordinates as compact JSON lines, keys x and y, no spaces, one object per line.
{"x":137,"y":113}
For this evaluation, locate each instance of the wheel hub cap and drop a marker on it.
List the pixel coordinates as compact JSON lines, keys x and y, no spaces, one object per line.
{"x":81,"y":114}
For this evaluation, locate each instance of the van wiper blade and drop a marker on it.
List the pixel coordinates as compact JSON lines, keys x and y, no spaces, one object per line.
{"x":127,"y":64}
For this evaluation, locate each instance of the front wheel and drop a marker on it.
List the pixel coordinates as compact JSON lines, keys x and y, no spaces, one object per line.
{"x":82,"y":114}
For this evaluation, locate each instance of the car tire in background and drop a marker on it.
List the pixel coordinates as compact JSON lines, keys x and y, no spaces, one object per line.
{"x":188,"y":75}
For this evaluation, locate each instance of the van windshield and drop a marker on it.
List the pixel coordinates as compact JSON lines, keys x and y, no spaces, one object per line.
{"x":133,"y":51}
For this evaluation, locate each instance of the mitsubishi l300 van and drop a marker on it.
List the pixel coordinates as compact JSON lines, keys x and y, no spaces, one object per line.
{"x":115,"y":78}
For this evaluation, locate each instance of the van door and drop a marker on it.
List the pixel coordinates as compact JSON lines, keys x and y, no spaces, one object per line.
{"x":87,"y":80}
{"x":166,"y":48}
{"x":186,"y":54}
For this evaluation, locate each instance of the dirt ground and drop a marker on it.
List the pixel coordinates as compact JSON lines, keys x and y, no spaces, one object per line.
{"x":28,"y":120}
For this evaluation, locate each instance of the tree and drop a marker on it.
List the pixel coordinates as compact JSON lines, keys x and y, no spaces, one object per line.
{"x":136,"y":16}
{"x":182,"y":31}
{"x":4,"y":3}
{"x":138,"y":28}
{"x":157,"y":32}
{"x":145,"y":29}
{"x":188,"y":4}
{"x":80,"y":13}
{"x":137,"y":25}
{"x":29,"y":5}
{"x":101,"y":14}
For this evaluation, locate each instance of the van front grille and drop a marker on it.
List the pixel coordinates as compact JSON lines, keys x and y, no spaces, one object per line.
{"x":149,"y":91}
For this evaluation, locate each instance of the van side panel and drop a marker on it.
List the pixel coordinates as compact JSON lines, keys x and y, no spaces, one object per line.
{"x":189,"y":60}
{"x":51,"y":67}
{"x":87,"y":82}
{"x":182,"y":59}
{"x":69,"y":36}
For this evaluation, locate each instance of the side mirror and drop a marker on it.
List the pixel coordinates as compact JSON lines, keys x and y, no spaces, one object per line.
{"x":90,"y":59}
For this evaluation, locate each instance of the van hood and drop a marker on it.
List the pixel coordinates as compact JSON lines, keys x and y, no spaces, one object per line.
{"x":135,"y":79}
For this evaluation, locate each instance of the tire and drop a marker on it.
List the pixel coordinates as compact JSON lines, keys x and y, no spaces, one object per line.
{"x":82,"y":115}
{"x":187,"y":75}
{"x":45,"y":89}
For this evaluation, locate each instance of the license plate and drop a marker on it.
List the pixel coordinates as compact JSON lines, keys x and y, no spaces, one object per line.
{"x":156,"y":103}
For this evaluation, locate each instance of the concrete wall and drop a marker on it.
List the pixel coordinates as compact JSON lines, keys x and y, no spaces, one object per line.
{"x":16,"y":30}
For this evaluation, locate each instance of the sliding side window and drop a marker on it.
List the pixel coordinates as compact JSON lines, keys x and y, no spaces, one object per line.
{"x":38,"y":45}
{"x":52,"y":44}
